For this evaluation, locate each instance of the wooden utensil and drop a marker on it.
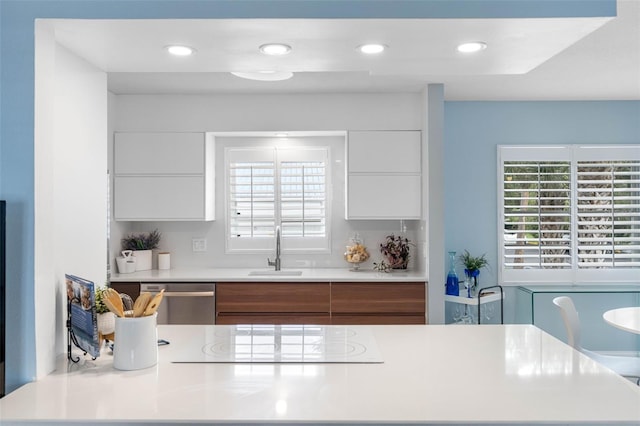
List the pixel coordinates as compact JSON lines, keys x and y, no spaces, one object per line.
{"x":141,"y":303}
{"x":113,"y":302}
{"x":152,"y":307}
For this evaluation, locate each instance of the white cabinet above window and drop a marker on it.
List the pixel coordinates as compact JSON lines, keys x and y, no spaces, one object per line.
{"x":384,"y":175}
{"x":163,"y":177}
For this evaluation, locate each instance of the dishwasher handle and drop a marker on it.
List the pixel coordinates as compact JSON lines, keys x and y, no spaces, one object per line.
{"x":192,"y":290}
{"x":189,"y":293}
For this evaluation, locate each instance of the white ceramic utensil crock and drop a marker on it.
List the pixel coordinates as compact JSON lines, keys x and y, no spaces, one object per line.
{"x":135,"y":343}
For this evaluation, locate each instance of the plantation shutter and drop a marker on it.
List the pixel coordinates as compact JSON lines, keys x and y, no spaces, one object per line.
{"x":569,"y":213}
{"x":269,"y":187}
{"x":303,"y":194}
{"x":252,"y":193}
{"x":537,"y":214}
{"x":608,"y":211}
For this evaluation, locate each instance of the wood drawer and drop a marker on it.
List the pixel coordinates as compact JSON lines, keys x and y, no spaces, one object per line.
{"x":276,"y":318}
{"x":378,"y":298}
{"x":346,"y":319}
{"x":270,"y":297}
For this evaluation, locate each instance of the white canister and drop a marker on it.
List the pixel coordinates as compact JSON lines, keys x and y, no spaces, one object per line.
{"x":126,"y":265}
{"x":135,"y":343}
{"x":164,"y":260}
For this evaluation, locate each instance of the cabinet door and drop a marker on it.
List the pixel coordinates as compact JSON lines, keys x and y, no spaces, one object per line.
{"x":159,"y":198}
{"x":384,"y":152}
{"x":378,"y":298}
{"x":270,"y":297}
{"x":159,"y":153}
{"x":384,"y":197}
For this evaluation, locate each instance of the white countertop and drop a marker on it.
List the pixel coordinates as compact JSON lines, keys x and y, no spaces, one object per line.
{"x":240,"y":274}
{"x":431,"y":374}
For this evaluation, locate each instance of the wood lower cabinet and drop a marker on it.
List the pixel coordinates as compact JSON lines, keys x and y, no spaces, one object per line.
{"x":273,"y":303}
{"x":321,"y":303}
{"x":132,"y":288}
{"x":378,"y":303}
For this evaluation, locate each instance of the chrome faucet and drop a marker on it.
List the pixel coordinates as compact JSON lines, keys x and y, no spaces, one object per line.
{"x":276,"y":262}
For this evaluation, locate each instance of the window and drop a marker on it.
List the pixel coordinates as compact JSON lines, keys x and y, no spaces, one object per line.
{"x":269,"y":187}
{"x":569,"y":213}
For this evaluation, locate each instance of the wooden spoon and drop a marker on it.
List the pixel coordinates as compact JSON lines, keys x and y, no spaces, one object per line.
{"x":152,"y":307}
{"x":113,"y":302}
{"x":141,"y":303}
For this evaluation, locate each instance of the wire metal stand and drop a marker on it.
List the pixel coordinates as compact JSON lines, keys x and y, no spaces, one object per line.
{"x":71,"y":337}
{"x":482,"y":292}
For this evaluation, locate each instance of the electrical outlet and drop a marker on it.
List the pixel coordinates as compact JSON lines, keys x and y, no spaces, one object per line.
{"x":199,"y":244}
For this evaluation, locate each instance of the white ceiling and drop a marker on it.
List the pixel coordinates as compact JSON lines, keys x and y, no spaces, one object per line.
{"x":527,"y":59}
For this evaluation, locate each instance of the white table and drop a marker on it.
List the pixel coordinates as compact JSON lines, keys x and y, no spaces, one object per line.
{"x":431,"y":374}
{"x":627,"y":319}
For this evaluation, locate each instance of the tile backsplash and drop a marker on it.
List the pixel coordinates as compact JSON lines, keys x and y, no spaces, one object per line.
{"x":177,"y":238}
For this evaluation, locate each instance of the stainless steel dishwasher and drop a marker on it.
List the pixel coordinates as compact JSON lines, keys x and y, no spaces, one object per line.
{"x":185,"y":303}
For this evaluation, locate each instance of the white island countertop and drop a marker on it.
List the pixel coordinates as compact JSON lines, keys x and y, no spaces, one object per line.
{"x":431,"y":374}
{"x":268,"y":275}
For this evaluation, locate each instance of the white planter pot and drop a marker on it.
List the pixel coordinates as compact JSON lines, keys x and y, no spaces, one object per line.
{"x":143,"y":259}
{"x":106,"y":323}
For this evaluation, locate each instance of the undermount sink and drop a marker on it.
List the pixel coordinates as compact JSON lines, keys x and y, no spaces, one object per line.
{"x":288,"y":272}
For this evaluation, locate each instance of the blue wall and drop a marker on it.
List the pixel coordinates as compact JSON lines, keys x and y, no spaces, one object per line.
{"x":473,"y":130}
{"x":16,"y":107}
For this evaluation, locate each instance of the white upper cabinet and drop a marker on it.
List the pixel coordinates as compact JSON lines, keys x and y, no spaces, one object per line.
{"x":384,"y":152}
{"x":159,"y":153}
{"x":163,"y":177}
{"x":384,"y":175}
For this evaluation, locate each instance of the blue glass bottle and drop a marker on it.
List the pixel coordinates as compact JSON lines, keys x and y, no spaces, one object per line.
{"x":452,"y":288}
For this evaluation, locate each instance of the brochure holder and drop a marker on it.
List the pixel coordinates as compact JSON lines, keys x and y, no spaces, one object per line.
{"x":82,"y":323}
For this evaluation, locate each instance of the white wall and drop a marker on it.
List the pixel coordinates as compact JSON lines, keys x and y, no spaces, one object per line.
{"x":300,"y":112}
{"x":433,"y":201}
{"x":238,"y":112}
{"x":70,"y":186}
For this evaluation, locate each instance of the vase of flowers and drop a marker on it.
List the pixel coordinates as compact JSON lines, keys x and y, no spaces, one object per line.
{"x":142,"y":245}
{"x":396,"y":249}
{"x":356,"y":252}
{"x":472,"y":266}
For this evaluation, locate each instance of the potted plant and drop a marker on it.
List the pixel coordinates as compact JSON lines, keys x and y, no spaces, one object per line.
{"x":396,"y":250}
{"x":106,"y":319}
{"x":472,"y":266}
{"x":142,"y":245}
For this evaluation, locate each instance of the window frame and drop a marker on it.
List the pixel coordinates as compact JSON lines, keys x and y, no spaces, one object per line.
{"x":282,"y":152}
{"x":573,"y":154}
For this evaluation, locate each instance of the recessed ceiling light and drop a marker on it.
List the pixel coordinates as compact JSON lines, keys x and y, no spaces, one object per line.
{"x":372,"y":49}
{"x":275,"y":49}
{"x":265,"y":75}
{"x":282,"y":134}
{"x":180,"y":50}
{"x":474,"y":46}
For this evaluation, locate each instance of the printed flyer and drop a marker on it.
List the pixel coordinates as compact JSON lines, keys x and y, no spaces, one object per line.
{"x":84,"y":323}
